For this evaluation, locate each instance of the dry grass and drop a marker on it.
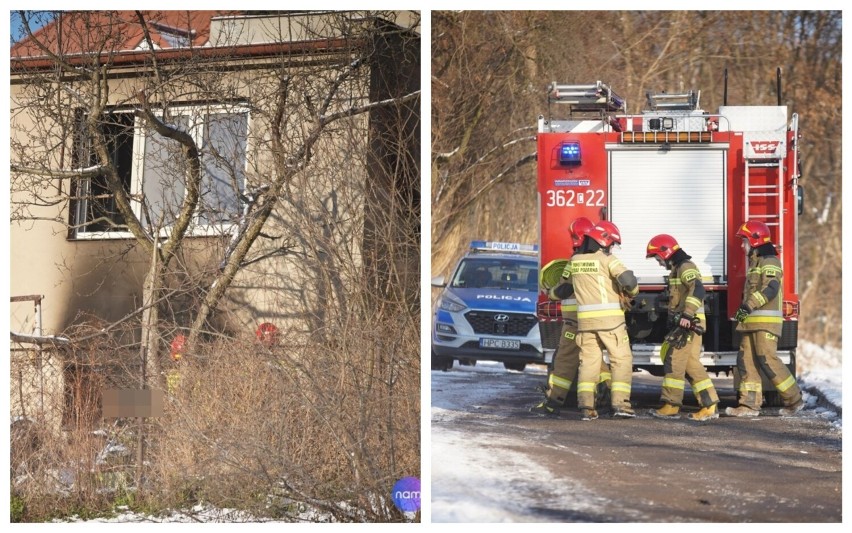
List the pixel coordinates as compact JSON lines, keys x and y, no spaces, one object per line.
{"x":266,"y":429}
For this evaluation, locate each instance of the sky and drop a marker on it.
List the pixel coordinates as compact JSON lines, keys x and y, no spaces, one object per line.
{"x":16,"y":28}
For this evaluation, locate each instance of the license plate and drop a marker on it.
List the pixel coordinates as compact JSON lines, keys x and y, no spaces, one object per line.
{"x":500,"y":344}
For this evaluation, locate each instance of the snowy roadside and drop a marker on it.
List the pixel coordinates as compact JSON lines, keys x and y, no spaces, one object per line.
{"x":821,"y":375}
{"x":208,"y":514}
{"x":474,"y":472}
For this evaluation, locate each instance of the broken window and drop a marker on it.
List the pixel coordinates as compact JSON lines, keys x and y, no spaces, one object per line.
{"x":153,"y":169}
{"x":93,"y":204}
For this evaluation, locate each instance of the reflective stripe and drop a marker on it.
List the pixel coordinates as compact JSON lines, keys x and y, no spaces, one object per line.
{"x":675,"y":281}
{"x":751,"y":386}
{"x":585,"y":386}
{"x":602,"y":288}
{"x":762,"y":320}
{"x":761,"y":299}
{"x":772,"y":270}
{"x":704,"y":384}
{"x":620,"y":386}
{"x":693,"y":300}
{"x":766,"y":313}
{"x":690,"y":274}
{"x":786,"y":384}
{"x":673,"y":383}
{"x":556,"y":381}
{"x":605,"y":376}
{"x":569,"y":308}
{"x":599,"y":310}
{"x":596,"y":314}
{"x":597,"y":307}
{"x":614,"y":263}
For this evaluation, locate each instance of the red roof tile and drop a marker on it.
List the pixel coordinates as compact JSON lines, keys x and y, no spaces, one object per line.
{"x":88,"y":31}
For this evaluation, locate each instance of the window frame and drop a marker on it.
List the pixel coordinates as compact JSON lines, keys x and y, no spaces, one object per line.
{"x":198,"y":114}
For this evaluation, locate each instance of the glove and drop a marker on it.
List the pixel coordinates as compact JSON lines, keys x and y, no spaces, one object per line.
{"x":562,"y":291}
{"x":673,"y":320}
{"x":742,"y":313}
{"x":678,"y":337}
{"x":685,"y":321}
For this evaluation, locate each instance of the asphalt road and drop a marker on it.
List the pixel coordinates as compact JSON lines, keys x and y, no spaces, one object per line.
{"x":765,"y":469}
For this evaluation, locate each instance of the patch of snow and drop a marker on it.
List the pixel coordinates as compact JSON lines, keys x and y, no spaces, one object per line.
{"x":820,"y":367}
{"x":474,"y":484}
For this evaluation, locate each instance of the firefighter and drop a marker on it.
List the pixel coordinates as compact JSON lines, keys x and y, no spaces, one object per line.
{"x":600,"y":281}
{"x":566,"y":360}
{"x":686,"y":312}
{"x":760,"y":320}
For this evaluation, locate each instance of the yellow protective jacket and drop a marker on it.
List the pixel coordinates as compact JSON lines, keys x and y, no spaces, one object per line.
{"x":686,"y":291}
{"x":763,"y":293}
{"x":599,"y":280}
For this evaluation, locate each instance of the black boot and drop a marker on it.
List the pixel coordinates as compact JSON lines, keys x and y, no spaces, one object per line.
{"x":546,"y":408}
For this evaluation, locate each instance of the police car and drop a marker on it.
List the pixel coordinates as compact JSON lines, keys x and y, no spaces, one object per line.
{"x":487,"y":310}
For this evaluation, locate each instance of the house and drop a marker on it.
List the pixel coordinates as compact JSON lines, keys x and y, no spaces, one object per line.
{"x":159,"y":158}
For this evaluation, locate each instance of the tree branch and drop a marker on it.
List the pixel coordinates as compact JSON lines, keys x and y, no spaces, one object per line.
{"x":88,"y":172}
{"x":356,"y":110}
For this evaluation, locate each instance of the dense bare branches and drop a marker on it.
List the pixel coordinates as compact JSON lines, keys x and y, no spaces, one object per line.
{"x":215,"y":188}
{"x":490,"y":70}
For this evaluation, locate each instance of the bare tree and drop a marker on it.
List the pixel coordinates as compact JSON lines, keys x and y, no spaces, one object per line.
{"x":490,"y":70}
{"x":198,"y":174}
{"x":275,"y":179}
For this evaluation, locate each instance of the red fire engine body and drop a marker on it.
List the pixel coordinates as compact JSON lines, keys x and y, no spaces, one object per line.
{"x":678,"y":170}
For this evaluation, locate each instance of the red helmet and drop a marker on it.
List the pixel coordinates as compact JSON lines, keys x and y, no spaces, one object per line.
{"x":663,"y":246}
{"x":605,"y":233}
{"x":756,"y":232}
{"x":578,"y":228}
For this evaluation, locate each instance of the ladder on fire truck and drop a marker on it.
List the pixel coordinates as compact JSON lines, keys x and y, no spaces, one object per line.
{"x":765,"y":150}
{"x":586,"y":98}
{"x":768,"y":149}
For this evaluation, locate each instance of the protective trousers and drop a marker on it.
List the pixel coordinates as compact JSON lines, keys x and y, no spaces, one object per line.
{"x":758,"y":354}
{"x":566,"y":362}
{"x":687,"y":361}
{"x":592,"y":344}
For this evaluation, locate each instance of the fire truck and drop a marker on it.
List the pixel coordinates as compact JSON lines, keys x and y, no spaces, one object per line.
{"x":674,"y":169}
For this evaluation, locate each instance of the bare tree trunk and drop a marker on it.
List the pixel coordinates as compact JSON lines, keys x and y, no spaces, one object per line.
{"x":148,"y":352}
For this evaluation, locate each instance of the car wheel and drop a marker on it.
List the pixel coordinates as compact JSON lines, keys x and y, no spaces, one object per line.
{"x":519,"y":367}
{"x":467,"y":362}
{"x":441,"y":363}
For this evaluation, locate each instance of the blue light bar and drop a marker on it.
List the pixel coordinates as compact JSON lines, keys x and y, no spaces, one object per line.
{"x":569,"y":153}
{"x":495,"y":246}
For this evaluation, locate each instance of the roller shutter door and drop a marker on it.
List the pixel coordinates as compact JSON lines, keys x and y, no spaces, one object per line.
{"x":675,"y":191}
